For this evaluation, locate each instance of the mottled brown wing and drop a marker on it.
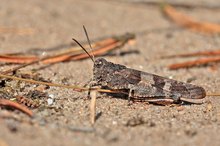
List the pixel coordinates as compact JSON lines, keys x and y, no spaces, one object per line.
{"x":161,"y":86}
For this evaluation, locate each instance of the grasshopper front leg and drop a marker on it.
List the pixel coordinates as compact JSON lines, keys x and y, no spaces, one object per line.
{"x":90,"y":84}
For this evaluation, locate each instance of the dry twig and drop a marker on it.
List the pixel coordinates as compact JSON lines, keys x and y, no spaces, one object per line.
{"x":93,"y":107}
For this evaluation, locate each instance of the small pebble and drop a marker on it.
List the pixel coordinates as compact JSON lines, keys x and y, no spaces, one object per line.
{"x":209,"y":106}
{"x":50,"y":101}
{"x":51,"y":95}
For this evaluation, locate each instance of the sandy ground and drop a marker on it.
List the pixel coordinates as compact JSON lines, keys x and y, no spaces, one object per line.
{"x":67,"y":122}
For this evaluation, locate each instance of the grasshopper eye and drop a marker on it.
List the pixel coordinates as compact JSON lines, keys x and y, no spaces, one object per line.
{"x":99,"y":64}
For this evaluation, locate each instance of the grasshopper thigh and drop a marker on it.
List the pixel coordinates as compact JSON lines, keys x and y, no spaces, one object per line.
{"x":147,"y":91}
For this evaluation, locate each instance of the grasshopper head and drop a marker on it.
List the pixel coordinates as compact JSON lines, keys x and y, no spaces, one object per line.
{"x":100,"y":63}
{"x":100,"y":70}
{"x":104,"y":71}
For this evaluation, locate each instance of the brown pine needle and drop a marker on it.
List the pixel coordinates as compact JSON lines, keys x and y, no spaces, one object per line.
{"x":116,"y":42}
{"x":202,"y":53}
{"x":18,"y":31}
{"x":74,"y":52}
{"x":17,"y":59}
{"x":198,"y":62}
{"x":78,"y":50}
{"x":190,"y":23}
{"x":102,"y":46}
{"x":53,"y":59}
{"x":49,"y":59}
{"x":21,"y":66}
{"x":9,"y":103}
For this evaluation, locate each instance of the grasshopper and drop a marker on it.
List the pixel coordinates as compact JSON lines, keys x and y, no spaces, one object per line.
{"x":139,"y":85}
{"x":144,"y":86}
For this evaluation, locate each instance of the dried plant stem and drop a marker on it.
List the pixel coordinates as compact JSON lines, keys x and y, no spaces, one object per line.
{"x":93,"y":106}
{"x":76,"y":88}
{"x":42,"y":83}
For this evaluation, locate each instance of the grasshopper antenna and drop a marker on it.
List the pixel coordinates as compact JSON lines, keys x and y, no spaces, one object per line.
{"x":84,"y":50}
{"x":87,"y":36}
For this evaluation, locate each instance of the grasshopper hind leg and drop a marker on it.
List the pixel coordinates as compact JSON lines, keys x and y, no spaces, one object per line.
{"x":161,"y":101}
